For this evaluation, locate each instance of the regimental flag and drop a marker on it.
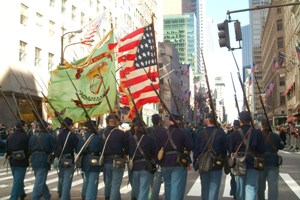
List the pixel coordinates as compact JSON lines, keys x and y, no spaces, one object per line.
{"x":281,"y":58}
{"x":298,"y":52}
{"x":254,"y":68}
{"x":275,"y":64}
{"x":93,"y":79}
{"x":137,"y":58}
{"x":91,"y":29}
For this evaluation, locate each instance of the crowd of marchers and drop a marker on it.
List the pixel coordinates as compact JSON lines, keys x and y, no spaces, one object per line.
{"x":152,"y":155}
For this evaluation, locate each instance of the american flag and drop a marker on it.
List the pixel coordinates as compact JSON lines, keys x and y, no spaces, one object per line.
{"x":298,"y":52}
{"x":91,"y":29}
{"x":275,"y":64}
{"x":281,"y":58}
{"x":254,"y":68}
{"x":271,"y":87}
{"x":137,"y":58}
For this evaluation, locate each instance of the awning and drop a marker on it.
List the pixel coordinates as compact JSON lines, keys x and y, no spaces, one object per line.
{"x":288,"y":88}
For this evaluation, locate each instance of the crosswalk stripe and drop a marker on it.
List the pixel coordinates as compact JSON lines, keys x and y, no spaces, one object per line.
{"x":196,"y":188}
{"x":291,"y":183}
{"x":227,"y":187}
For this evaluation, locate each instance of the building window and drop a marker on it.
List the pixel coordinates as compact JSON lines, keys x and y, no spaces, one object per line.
{"x":63,"y":6}
{"x":51,"y":28}
{"x":282,"y":80}
{"x":37,"y":60}
{"x":73,"y":17}
{"x":39,"y":20}
{"x":24,"y":14}
{"x":50,"y":61}
{"x":52,"y":3}
{"x":22,"y":52}
{"x":282,"y":99}
{"x":82,"y":19}
{"x":280,"y":42}
{"x":279,"y":25}
{"x":278,"y":10}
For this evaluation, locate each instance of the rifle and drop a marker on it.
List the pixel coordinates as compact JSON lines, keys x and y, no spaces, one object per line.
{"x":9,"y":106}
{"x":235,"y":97}
{"x":85,"y":111}
{"x":262,"y":103}
{"x":243,"y":89}
{"x":30,"y":101}
{"x":209,"y":93}
{"x":57,"y":114}
{"x":18,"y":110}
{"x":175,"y":101}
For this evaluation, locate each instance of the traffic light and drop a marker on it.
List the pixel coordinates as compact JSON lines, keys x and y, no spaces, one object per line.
{"x":224,"y":39}
{"x":237,"y":30}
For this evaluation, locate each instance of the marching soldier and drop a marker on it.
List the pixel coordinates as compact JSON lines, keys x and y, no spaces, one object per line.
{"x":142,"y":150}
{"x":211,"y":140}
{"x":115,"y":149}
{"x":155,"y":131}
{"x":67,"y":143}
{"x":236,"y":126}
{"x":272,"y":161}
{"x":173,"y":143}
{"x":17,"y":152}
{"x":90,"y":160}
{"x":249,"y":143}
{"x":41,"y":145}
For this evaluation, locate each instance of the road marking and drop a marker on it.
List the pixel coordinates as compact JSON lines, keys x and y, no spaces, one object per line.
{"x":196,"y":189}
{"x":227,"y":187}
{"x":291,"y":183}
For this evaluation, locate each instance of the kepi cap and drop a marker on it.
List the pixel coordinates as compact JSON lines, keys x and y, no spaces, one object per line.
{"x":245,"y":116}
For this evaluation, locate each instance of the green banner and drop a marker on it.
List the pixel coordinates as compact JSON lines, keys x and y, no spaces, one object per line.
{"x":93,"y":77}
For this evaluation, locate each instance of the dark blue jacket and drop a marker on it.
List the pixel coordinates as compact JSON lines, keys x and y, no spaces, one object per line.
{"x":256,"y":144}
{"x":117,"y":144}
{"x":181,"y":141}
{"x":41,"y":145}
{"x":71,"y":144}
{"x":218,"y":145}
{"x":15,"y":142}
{"x":272,"y":144}
{"x":147,"y":145}
{"x":94,"y":148}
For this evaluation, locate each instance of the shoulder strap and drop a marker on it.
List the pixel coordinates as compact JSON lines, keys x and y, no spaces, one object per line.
{"x":210,"y":141}
{"x":168,"y":134}
{"x":83,"y":148}
{"x":138,"y":146}
{"x":172,"y":141}
{"x":267,"y":139}
{"x":244,"y":140}
{"x":38,"y":137}
{"x":102,"y":154}
{"x":64,"y":146}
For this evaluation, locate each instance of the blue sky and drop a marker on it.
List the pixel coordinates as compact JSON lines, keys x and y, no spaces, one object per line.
{"x":224,"y":64}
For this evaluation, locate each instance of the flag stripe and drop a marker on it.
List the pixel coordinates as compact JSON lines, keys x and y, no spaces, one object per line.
{"x":139,"y":93}
{"x":139,"y":69}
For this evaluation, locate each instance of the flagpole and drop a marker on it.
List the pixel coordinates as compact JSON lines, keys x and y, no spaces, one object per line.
{"x":243,"y":89}
{"x":262,"y":103}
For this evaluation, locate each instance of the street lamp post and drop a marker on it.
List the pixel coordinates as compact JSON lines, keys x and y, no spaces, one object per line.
{"x":62,"y":44}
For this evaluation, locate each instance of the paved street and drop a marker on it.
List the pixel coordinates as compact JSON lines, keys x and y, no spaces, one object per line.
{"x":289,"y":182}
